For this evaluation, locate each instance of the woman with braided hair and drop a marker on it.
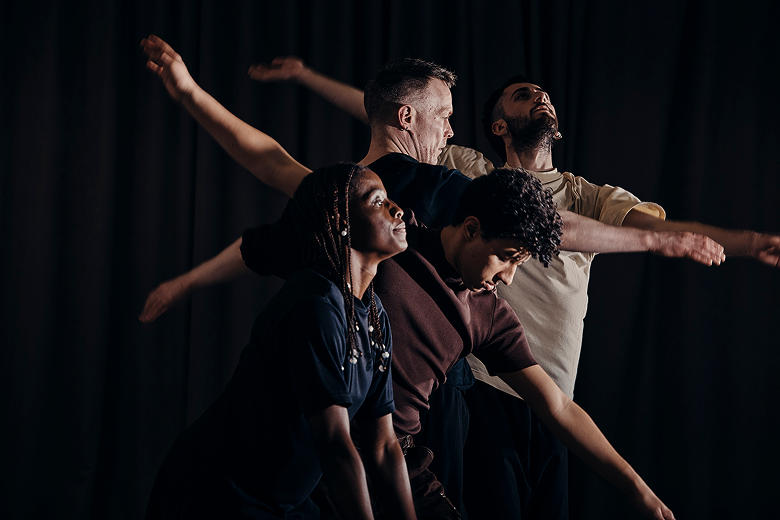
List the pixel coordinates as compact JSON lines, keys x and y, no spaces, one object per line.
{"x":319,"y":357}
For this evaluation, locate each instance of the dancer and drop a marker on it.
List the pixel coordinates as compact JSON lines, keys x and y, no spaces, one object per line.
{"x":319,"y":356}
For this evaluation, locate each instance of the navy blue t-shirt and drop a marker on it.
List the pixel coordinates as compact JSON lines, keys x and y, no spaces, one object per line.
{"x":296,"y":364}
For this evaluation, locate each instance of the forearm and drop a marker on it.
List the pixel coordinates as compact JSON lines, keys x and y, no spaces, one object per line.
{"x":346,"y":97}
{"x":588,"y":235}
{"x":224,"y":267}
{"x":256,"y":151}
{"x":591,"y":236}
{"x":343,"y":471}
{"x":579,"y":433}
{"x":388,"y":472}
{"x":740,"y":243}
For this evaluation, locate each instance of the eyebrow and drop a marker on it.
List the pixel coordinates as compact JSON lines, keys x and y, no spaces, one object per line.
{"x":376,"y":191}
{"x":527,"y":89}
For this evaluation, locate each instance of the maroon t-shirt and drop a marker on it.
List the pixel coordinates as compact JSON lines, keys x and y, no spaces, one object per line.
{"x":435,"y":320}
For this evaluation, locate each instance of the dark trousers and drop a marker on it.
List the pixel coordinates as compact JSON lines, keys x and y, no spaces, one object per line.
{"x":444,"y":429}
{"x":514,"y":467}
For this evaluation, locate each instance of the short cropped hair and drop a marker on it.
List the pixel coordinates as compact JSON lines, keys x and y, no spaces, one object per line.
{"x":511,"y":203}
{"x":398,"y":82}
{"x":493,"y":111}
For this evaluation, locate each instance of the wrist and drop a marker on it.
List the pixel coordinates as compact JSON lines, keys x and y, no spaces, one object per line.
{"x":305,"y":76}
{"x":187,"y":96}
{"x":650,"y":240}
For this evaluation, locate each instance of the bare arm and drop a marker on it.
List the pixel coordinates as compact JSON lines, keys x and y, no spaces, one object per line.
{"x":591,"y":236}
{"x":342,"y":468}
{"x":385,"y":463}
{"x":290,"y":68}
{"x":256,"y":151}
{"x":227,"y":265}
{"x":580,"y":434}
{"x":763,"y":247}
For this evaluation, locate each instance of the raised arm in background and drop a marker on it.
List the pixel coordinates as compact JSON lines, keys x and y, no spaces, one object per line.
{"x":290,"y":68}
{"x":574,"y":427}
{"x":580,"y":233}
{"x":227,"y":265}
{"x":587,"y":235}
{"x":254,"y":150}
{"x":763,"y":247}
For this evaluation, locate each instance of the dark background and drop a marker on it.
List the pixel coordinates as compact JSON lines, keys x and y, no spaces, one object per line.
{"x":108,"y":188}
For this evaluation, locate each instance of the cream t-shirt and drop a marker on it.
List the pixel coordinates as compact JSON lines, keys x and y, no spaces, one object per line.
{"x":551,"y":302}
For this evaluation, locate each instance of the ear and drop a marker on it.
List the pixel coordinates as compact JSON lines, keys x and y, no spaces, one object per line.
{"x":499,"y":127}
{"x":471,"y":228}
{"x":405,"y":116}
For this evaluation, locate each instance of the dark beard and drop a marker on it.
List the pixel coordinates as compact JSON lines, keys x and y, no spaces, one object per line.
{"x":530,"y":135}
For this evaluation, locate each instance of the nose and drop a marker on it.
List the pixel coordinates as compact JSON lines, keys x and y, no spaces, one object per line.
{"x":394,"y":209}
{"x":543,"y":97}
{"x":508,"y":274}
{"x":448,"y":133}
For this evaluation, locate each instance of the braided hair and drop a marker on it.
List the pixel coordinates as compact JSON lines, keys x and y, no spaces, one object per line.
{"x":320,"y":211}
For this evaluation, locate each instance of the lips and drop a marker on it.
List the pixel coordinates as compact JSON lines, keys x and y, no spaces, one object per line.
{"x":542,"y":107}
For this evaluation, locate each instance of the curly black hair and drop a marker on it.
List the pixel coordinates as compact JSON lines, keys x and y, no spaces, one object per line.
{"x":511,"y":203}
{"x":398,"y":83}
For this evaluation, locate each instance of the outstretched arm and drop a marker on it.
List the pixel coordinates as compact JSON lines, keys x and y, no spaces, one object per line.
{"x":764,"y":248}
{"x":591,"y":236}
{"x":290,"y":68}
{"x":342,"y":468}
{"x":386,"y":465}
{"x":580,"y":434}
{"x":227,"y":265}
{"x":256,"y":151}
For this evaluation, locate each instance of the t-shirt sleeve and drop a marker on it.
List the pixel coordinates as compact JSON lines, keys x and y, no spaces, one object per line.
{"x":470,"y":162}
{"x":611,"y":204}
{"x":273,"y":249}
{"x":313,"y":351}
{"x":506,"y":350}
{"x":379,"y":400}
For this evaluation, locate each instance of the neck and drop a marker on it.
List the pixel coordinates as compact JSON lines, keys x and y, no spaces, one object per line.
{"x":539,"y":159}
{"x":450,"y":243}
{"x":388,"y":140}
{"x":363,"y":272}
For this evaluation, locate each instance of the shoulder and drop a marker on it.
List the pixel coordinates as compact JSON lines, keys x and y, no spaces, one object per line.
{"x":470,"y":162}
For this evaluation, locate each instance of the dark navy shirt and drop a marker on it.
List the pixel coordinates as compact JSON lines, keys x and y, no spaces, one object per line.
{"x":296,"y":364}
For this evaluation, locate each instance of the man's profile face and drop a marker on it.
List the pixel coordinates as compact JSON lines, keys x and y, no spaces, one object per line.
{"x":529,"y":116}
{"x":482,"y":263}
{"x":430,"y":128}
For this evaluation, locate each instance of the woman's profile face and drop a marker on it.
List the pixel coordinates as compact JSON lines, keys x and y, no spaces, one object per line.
{"x":375,"y":220}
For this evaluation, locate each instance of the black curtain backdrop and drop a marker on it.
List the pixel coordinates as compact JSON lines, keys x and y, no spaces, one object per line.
{"x":108,"y":188}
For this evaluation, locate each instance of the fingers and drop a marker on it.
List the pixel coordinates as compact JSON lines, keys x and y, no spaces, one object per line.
{"x":153,"y":309}
{"x":703,"y":249}
{"x":159,"y":300}
{"x":281,"y":68}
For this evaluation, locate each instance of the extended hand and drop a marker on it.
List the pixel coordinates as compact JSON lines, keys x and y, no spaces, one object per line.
{"x":162,"y":298}
{"x":168,"y":65}
{"x":283,"y":68}
{"x":684,"y":244}
{"x":650,"y":505}
{"x":766,"y":249}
